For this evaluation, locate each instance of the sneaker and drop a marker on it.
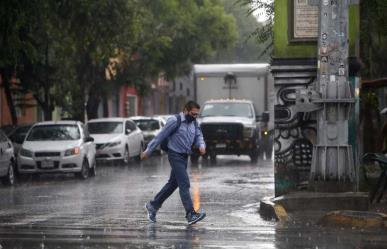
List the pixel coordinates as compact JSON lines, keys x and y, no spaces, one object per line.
{"x":194,"y":217}
{"x":151,"y":212}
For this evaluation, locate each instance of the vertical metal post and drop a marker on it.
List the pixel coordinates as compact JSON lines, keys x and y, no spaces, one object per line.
{"x":336,"y":96}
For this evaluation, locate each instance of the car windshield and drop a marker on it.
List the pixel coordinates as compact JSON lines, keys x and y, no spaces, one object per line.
{"x":227,"y":109}
{"x":147,"y":124}
{"x":105,"y":127}
{"x":54,"y":133}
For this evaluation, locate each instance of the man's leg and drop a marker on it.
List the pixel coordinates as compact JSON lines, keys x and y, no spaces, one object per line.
{"x":179,"y":168}
{"x":165,"y":192}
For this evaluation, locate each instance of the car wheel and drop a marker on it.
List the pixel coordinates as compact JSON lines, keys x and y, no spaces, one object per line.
{"x":9,"y":179}
{"x":93,"y":170}
{"x":126,"y":158}
{"x":84,"y":174}
{"x":138,"y":158}
{"x":213,"y":158}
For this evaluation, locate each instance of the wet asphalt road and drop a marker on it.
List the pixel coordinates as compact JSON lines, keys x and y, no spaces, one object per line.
{"x":56,"y":211}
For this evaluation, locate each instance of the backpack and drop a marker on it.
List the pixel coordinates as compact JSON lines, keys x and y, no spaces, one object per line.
{"x":164,"y":143}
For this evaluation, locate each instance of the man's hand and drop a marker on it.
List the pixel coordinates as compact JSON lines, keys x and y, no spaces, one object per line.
{"x":144,"y":156}
{"x":202,"y":151}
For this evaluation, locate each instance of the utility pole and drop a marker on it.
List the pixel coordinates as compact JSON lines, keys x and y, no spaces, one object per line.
{"x":332,"y":98}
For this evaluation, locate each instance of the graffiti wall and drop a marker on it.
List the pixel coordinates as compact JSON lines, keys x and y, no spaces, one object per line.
{"x":295,"y":132}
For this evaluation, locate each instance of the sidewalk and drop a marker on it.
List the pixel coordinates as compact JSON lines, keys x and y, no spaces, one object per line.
{"x":348,"y":209}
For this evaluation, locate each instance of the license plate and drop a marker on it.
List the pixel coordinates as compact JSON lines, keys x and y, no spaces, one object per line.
{"x":220,"y":146}
{"x":47,"y":164}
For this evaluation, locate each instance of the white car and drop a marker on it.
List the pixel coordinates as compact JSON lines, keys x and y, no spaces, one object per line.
{"x":150,"y":127}
{"x":116,"y":139}
{"x":7,"y":159}
{"x":58,"y":146}
{"x":164,"y":117}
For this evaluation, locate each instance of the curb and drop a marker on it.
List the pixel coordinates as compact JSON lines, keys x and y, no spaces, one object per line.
{"x":350,"y":218}
{"x":337,"y":210}
{"x":271,"y":211}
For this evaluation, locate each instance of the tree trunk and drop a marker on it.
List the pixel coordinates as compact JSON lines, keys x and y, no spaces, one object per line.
{"x":47,"y":111}
{"x":93,"y":102}
{"x":92,"y":105}
{"x":105,"y":106}
{"x":6,"y":78}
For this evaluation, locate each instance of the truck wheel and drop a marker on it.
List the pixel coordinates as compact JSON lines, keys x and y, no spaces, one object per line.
{"x":269,"y":151}
{"x":213,"y":158}
{"x":254,"y":156}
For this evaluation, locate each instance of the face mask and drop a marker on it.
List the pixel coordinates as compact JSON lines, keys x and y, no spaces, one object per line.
{"x":189,"y":118}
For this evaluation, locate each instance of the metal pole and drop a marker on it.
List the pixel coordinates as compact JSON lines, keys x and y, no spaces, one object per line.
{"x":336,"y":96}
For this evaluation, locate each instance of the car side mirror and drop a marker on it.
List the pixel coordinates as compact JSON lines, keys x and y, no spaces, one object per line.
{"x":265,"y":117}
{"x":89,"y":139}
{"x":128,"y":131}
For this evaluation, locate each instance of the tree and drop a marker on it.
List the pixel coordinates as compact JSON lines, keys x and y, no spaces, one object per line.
{"x":61,"y":49}
{"x":97,"y":29}
{"x":264,"y":33}
{"x":373,"y":38}
{"x":174,"y":35}
{"x":247,"y":48}
{"x":15,"y":43}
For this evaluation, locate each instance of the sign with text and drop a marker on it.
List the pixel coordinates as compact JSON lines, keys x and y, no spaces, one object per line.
{"x":303,"y":21}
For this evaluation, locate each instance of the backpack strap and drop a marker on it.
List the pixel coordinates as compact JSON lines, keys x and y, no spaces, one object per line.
{"x":178,"y":123}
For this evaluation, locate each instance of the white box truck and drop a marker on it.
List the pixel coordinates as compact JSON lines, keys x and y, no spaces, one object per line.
{"x":234,"y":116}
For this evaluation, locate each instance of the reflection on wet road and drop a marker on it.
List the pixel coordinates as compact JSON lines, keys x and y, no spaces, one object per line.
{"x":56,"y":211}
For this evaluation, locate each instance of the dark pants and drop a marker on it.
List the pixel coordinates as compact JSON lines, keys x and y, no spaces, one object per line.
{"x":178,"y":178}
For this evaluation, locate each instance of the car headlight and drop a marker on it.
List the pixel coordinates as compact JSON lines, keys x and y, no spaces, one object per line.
{"x":72,"y":151}
{"x":114,"y":144}
{"x":25,"y":153}
{"x":248,"y":132}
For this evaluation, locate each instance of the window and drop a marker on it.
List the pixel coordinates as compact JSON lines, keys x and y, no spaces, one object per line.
{"x":54,"y":133}
{"x":3,"y":138}
{"x":181,"y":86}
{"x":148,"y":124}
{"x":130,"y":125}
{"x":104,"y":127}
{"x":188,"y":92}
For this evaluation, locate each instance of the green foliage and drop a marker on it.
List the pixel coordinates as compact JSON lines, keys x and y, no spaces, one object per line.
{"x":61,"y":49}
{"x":263,"y":33}
{"x":247,"y":47}
{"x":373,"y":38}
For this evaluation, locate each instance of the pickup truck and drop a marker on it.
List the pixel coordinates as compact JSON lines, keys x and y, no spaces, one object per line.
{"x":230,"y":127}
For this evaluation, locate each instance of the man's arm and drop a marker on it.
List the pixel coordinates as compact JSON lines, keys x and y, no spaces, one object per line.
{"x":199,"y":140}
{"x":164,"y":133}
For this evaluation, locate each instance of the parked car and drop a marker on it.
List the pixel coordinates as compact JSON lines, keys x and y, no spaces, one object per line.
{"x":7,"y":128}
{"x":58,"y":146}
{"x":17,"y":136}
{"x":164,"y":117}
{"x":7,"y":160}
{"x":116,"y":139}
{"x":150,"y":127}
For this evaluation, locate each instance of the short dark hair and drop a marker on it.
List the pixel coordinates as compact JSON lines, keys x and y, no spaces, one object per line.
{"x":190,"y":105}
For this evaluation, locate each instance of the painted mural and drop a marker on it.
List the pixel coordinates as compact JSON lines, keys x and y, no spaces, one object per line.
{"x":295,"y":133}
